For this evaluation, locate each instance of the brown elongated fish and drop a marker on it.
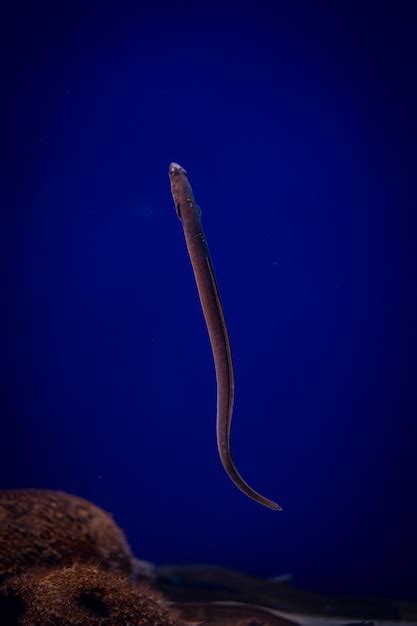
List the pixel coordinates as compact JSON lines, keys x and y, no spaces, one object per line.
{"x":190,"y":215}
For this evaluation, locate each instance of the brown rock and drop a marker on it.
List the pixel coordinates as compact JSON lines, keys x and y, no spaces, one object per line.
{"x":84,"y":595}
{"x":40,"y":528}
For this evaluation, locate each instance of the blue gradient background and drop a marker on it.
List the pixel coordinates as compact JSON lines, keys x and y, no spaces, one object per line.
{"x":298,"y":129}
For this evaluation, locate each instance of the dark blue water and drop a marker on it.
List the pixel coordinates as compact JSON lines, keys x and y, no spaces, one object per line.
{"x":298,"y":130}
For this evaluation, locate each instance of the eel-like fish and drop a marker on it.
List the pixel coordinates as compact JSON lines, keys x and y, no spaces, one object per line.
{"x":190,"y":215}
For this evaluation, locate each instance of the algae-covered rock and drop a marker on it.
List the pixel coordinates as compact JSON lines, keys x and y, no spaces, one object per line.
{"x":39,"y":528}
{"x":85,"y":595}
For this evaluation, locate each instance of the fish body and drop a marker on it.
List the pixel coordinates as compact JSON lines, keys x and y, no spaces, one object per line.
{"x":189,"y":213}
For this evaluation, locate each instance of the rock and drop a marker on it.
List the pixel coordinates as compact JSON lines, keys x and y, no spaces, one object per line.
{"x":40,"y":528}
{"x":84,"y":595}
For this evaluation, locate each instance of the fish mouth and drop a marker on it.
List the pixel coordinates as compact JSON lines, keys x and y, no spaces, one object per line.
{"x":175,"y":168}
